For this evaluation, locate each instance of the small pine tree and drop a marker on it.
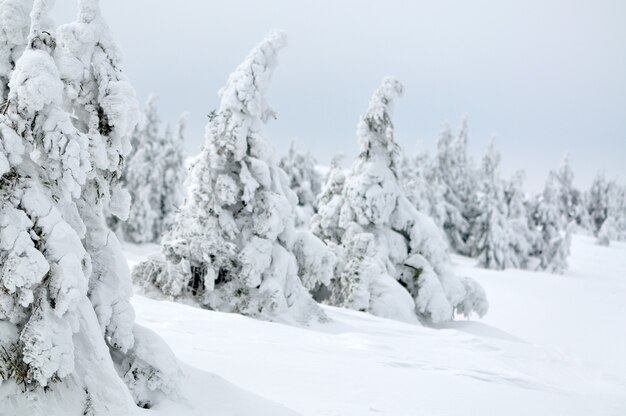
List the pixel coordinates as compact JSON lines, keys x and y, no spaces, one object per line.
{"x":492,"y":230}
{"x":423,"y":187}
{"x":394,"y":258}
{"x":571,"y":204}
{"x":553,"y":245}
{"x":143,"y":176}
{"x":598,"y":202}
{"x":304,"y":181}
{"x":233,"y":246}
{"x":522,"y":238}
{"x":174,"y":173}
{"x":458,"y":176}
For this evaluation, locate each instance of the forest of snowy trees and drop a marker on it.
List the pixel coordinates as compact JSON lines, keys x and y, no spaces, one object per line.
{"x":241,"y":229}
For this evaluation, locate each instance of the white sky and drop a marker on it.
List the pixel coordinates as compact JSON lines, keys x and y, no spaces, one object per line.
{"x":546,"y":76}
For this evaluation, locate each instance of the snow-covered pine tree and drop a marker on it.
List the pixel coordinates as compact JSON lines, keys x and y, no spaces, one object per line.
{"x":143,"y":177}
{"x":396,"y":260}
{"x":571,"y":204}
{"x":174,"y":173}
{"x":54,"y":356}
{"x":491,"y":229}
{"x":329,"y":202}
{"x":552,"y":247}
{"x":522,"y":238}
{"x":304,"y":180}
{"x":458,"y":176}
{"x":105,"y":110}
{"x":233,"y":246}
{"x":598,"y":202}
{"x":423,"y":186}
{"x":606,"y":207}
{"x":14,"y":29}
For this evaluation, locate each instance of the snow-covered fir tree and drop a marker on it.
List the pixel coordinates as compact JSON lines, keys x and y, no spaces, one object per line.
{"x":522,"y":236}
{"x":423,"y":186}
{"x":606,"y":207}
{"x":571,"y":204}
{"x":552,"y":246}
{"x":14,"y":29}
{"x":458,"y":176}
{"x":143,"y":176}
{"x":233,"y":246}
{"x":304,"y":180}
{"x":154,"y":173}
{"x":52,"y":311}
{"x":598,"y":202}
{"x":174,"y":173}
{"x":395,"y":259}
{"x":491,"y":229}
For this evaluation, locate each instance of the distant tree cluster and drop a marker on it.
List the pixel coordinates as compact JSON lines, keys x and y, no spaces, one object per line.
{"x":491,"y":218}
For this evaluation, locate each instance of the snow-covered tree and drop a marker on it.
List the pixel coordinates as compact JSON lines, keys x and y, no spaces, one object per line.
{"x":395,"y":260}
{"x":105,"y":109}
{"x":304,"y":180}
{"x":14,"y":29}
{"x":233,"y":246}
{"x":522,"y":237}
{"x":552,"y":247}
{"x":174,"y":173}
{"x":458,"y":176}
{"x":571,"y":204}
{"x":154,"y":173}
{"x":492,"y":232}
{"x":606,"y":207}
{"x":143,"y":177}
{"x":423,"y":186}
{"x":598,"y":202}
{"x":55,"y":353}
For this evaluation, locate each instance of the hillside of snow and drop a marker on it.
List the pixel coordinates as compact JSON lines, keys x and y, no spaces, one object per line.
{"x":549,"y":346}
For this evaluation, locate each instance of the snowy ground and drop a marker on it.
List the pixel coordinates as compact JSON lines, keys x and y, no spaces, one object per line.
{"x":551,"y":345}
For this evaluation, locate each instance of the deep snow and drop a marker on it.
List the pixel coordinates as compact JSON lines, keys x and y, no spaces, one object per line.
{"x":550,"y":345}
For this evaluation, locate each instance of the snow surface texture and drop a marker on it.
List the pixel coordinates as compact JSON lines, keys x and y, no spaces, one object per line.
{"x":233,"y":246}
{"x":394,"y":259}
{"x":538,"y":352}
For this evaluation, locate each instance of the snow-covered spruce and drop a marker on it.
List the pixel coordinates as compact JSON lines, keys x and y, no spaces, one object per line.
{"x":606,"y":210}
{"x":491,"y":229}
{"x":456,"y":172}
{"x":522,"y":236}
{"x":14,"y":29}
{"x":395,"y":259}
{"x":304,"y":180}
{"x":233,"y":246}
{"x":53,"y":353}
{"x":423,"y":186}
{"x":73,"y":164}
{"x":154,"y":173}
{"x":552,"y":246}
{"x":570,"y":199}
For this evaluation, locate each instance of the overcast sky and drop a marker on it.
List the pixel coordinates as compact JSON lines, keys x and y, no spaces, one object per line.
{"x":545,"y":76}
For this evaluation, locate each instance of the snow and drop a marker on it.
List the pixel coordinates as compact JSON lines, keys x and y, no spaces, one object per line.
{"x":563,"y":356}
